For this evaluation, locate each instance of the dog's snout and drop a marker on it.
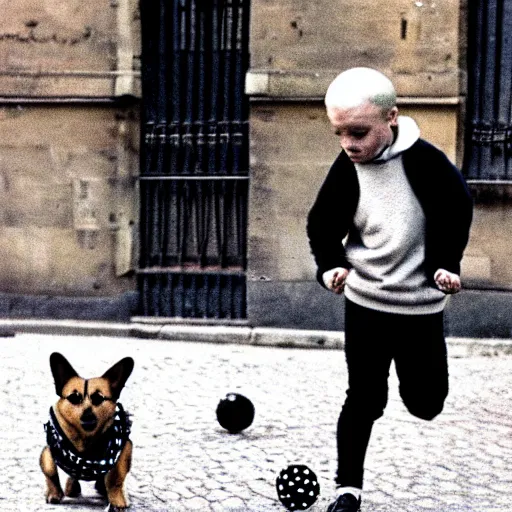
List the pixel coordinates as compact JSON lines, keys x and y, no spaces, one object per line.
{"x":88,"y":414}
{"x":88,"y":419}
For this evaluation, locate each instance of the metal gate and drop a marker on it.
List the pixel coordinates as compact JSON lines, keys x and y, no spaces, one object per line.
{"x":489,"y":129}
{"x":194,"y":158}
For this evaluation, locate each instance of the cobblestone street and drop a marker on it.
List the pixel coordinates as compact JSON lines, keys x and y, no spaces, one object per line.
{"x":183,"y":460}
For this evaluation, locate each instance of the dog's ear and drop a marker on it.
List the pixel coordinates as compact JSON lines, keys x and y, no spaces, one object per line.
{"x":62,"y":371}
{"x":118,"y":375}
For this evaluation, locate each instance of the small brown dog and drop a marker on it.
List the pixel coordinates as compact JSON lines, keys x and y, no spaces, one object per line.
{"x":88,"y":433}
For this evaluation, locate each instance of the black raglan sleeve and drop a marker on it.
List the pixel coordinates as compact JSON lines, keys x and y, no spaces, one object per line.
{"x":456,"y":218}
{"x":331,"y":215}
{"x":447,"y":204}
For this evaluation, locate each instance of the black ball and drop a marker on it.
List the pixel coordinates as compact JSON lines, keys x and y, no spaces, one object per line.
{"x":235,"y":413}
{"x":297,"y":487}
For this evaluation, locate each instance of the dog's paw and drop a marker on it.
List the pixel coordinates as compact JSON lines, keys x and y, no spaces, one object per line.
{"x":73,"y":488}
{"x":112,"y":508}
{"x":54,"y":498}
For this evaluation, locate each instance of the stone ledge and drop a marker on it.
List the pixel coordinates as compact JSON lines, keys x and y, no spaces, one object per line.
{"x":303,"y":84}
{"x":256,"y":336}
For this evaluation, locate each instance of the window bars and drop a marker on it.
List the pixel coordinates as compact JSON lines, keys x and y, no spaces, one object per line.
{"x":194,"y":158}
{"x":488,"y":147}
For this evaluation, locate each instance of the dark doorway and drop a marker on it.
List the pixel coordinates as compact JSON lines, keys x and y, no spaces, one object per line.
{"x":489,"y":120}
{"x":194,"y":158}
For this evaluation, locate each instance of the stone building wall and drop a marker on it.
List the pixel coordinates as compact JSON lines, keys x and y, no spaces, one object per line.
{"x":69,"y":144}
{"x":68,"y":151}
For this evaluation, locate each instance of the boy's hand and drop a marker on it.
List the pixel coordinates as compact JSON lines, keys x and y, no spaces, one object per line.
{"x":335,"y":278}
{"x":447,"y":282}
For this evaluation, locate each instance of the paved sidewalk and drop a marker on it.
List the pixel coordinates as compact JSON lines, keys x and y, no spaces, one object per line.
{"x":183,"y":460}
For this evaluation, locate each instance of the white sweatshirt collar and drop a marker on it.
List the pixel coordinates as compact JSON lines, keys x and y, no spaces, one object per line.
{"x":408,"y":134}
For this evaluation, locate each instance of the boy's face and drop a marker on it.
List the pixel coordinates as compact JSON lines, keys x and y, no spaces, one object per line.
{"x":364,"y":131}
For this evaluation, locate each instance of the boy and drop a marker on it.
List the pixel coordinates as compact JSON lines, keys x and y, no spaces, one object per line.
{"x":403,"y":213}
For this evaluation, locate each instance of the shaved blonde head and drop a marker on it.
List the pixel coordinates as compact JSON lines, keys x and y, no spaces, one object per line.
{"x":356,"y":86}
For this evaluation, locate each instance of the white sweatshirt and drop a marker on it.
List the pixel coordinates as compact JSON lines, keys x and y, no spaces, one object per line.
{"x":387,"y":247}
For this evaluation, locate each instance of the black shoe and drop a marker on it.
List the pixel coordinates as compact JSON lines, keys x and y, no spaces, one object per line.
{"x":345,"y":503}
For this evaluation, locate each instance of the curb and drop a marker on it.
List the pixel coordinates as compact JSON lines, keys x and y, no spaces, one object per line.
{"x":224,"y":334}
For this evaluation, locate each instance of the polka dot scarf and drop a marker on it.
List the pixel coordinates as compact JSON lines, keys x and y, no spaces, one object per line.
{"x":73,"y":462}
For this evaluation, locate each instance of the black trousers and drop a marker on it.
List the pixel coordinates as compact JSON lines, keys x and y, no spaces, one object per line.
{"x":372,"y":340}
